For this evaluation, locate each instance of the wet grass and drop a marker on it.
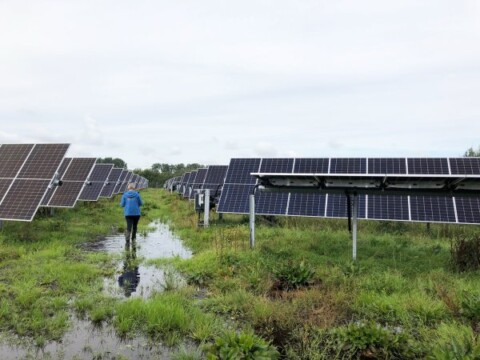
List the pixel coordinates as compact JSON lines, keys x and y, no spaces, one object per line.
{"x":298,"y":289}
{"x":399,"y":300}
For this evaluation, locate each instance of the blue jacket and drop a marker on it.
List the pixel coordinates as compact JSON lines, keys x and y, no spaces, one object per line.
{"x":131,"y":202}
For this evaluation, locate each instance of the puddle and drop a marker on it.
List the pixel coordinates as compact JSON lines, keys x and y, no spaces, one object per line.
{"x":85,"y":341}
{"x":133,"y":278}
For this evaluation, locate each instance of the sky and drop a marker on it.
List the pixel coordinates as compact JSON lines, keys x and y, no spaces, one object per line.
{"x":206,"y":81}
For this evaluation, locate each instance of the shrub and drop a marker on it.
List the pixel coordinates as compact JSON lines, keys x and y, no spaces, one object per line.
{"x":244,"y":345}
{"x":371,"y":340}
{"x":465,"y":253}
{"x":293,"y":276}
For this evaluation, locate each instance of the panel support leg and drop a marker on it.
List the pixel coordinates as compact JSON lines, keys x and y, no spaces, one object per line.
{"x":354,"y":227}
{"x":252,"y":220}
{"x":206,"y":212}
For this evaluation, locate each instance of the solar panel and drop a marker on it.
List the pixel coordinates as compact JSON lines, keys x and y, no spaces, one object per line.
{"x":388,"y":207}
{"x":120,"y":181}
{"x":311,"y":165}
{"x":466,"y":166}
{"x":428,"y":166}
{"x":189,"y":184}
{"x":198,"y":182}
{"x":348,"y":166}
{"x":337,"y":206}
{"x":126,"y":181}
{"x":61,"y":171}
{"x":468,"y":210}
{"x":432,"y":209}
{"x":111,"y":184}
{"x":387,"y":166}
{"x":13,"y":157}
{"x":214,"y":179}
{"x":307,"y":204}
{"x":26,"y":171}
{"x":239,"y":171}
{"x":97,"y":178}
{"x":73,"y":182}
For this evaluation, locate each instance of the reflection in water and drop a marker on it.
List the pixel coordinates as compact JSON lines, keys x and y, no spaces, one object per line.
{"x":130,"y":277}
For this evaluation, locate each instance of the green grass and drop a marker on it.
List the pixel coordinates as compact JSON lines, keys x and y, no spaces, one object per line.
{"x":402,"y":281}
{"x":400,"y":299}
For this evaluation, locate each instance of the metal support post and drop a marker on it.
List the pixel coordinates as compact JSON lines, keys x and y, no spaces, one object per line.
{"x":1,"y":224}
{"x":206,"y":212}
{"x":354,"y":230}
{"x":252,"y":220}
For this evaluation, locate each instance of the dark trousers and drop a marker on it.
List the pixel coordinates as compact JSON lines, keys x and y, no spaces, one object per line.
{"x":132,"y":222}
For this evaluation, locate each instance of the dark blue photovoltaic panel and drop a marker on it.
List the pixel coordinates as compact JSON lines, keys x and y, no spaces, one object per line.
{"x":430,"y":166}
{"x":468,"y":210}
{"x":270,"y":203}
{"x":43,"y":161}
{"x":239,"y":171}
{"x":12,"y":158}
{"x":311,"y":166}
{"x":387,"y":166}
{"x":387,"y":207}
{"x":120,"y":181}
{"x":189,"y":184}
{"x":465,"y":166}
{"x":337,"y":206}
{"x":276,"y":165}
{"x":214,"y":179}
{"x":307,"y":204}
{"x":432,"y":209}
{"x":185,"y":182}
{"x":198,"y":182}
{"x":348,"y":166}
{"x":234,"y":199}
{"x":201,"y":173}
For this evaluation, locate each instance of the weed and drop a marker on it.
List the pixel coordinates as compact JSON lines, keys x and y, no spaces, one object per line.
{"x":243,"y":345}
{"x":465,"y":253}
{"x":292,"y":276}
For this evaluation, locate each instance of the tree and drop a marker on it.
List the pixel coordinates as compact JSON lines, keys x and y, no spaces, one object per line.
{"x":472,"y":153}
{"x":159,"y":173}
{"x":116,"y":162}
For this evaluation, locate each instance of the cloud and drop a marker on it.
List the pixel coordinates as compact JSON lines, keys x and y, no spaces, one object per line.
{"x":265,"y":149}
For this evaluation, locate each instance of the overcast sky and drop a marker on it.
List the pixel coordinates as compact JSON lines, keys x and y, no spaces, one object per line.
{"x":205,"y":81}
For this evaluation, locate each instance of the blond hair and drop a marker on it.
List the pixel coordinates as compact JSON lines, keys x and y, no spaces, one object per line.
{"x":131,"y":186}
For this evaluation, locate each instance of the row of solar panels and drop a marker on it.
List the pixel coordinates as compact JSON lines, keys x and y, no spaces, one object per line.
{"x":34,"y":175}
{"x":235,"y":184}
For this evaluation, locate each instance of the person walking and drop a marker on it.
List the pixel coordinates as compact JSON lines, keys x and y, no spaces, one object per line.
{"x":131,"y":202}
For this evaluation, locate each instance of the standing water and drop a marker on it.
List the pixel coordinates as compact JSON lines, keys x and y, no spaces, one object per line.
{"x":133,"y":278}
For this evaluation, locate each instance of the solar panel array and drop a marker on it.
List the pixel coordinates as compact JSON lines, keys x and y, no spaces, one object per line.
{"x":34,"y":175}
{"x":239,"y":184}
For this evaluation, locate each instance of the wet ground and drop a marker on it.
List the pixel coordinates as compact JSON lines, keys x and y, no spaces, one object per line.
{"x":133,"y":279}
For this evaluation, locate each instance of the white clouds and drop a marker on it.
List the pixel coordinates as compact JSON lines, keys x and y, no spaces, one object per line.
{"x":268,"y":78}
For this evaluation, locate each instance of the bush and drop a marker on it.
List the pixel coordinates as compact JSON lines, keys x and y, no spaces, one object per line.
{"x":244,"y":345}
{"x":371,"y":340}
{"x":293,"y":276}
{"x":465,"y":253}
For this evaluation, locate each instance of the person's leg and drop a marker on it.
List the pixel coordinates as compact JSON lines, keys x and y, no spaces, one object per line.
{"x":135,"y":220}
{"x":128,"y":231}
